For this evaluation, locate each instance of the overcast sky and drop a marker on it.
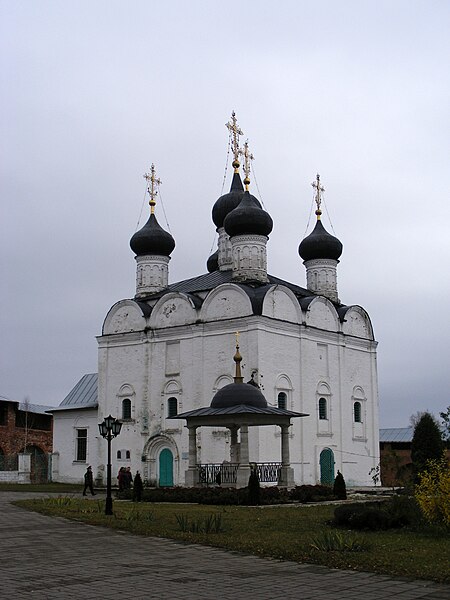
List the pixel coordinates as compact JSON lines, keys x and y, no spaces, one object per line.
{"x":93,"y":92}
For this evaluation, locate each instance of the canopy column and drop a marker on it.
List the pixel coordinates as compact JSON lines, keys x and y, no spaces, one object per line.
{"x":234,"y":445}
{"x":243,"y":472}
{"x":286,"y":471}
{"x":191,"y":473}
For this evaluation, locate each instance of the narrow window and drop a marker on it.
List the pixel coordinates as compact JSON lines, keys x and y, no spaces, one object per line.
{"x":357,"y":412}
{"x":323,"y":409}
{"x":172,"y":407}
{"x":81,"y":450}
{"x":126,"y":409}
{"x":119,"y":454}
{"x":282,"y":400}
{"x":127,"y":455}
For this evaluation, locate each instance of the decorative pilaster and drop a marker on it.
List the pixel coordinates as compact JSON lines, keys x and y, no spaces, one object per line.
{"x":287,"y":473}
{"x":191,"y":473}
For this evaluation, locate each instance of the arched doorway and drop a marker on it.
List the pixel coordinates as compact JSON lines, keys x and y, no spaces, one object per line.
{"x":326,"y":467}
{"x":165,"y":468}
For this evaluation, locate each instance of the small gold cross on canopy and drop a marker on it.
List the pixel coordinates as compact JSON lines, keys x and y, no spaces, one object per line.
{"x":318,"y":197}
{"x":237,"y":334}
{"x":235,"y":133}
{"x":152,"y":183}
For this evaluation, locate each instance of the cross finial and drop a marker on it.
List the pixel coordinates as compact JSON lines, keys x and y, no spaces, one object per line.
{"x":248,"y":157}
{"x":318,"y":196}
{"x":235,"y":133}
{"x":152,"y":184}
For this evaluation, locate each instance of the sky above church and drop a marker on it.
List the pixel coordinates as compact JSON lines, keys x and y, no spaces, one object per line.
{"x":95,"y":91}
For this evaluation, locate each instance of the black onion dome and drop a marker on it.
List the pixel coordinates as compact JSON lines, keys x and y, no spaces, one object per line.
{"x":152,"y":239}
{"x":213,"y":262}
{"x":236,"y":394}
{"x":228,"y":202}
{"x":248,"y":218}
{"x":320,"y":244}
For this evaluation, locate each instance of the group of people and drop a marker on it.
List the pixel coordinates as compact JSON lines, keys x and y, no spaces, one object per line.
{"x":125,"y":482}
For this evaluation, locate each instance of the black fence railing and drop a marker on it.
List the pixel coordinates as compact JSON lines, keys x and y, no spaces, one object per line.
{"x":225,"y":473}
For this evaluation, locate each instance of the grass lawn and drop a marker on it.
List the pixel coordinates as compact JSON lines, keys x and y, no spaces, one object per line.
{"x":281,"y":532}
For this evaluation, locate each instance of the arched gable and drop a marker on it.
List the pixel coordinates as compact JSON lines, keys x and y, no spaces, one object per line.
{"x":171,"y":310}
{"x":281,"y":303}
{"x":322,"y":314}
{"x":357,"y":323}
{"x":221,"y":382}
{"x":126,"y":390}
{"x":227,"y":301}
{"x":283,"y":383}
{"x":323,"y":389}
{"x":172,"y":387}
{"x":123,"y":317}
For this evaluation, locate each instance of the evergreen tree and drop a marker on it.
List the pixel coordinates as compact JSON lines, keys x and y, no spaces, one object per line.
{"x":339,"y":487}
{"x":254,"y":490}
{"x":426,"y":444}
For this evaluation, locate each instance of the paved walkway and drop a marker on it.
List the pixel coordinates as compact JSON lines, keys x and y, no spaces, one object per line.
{"x":43,"y":557}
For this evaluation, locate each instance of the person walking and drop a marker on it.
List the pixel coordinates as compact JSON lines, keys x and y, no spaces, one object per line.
{"x":88,"y":481}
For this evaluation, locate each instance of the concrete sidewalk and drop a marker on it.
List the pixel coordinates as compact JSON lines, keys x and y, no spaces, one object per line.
{"x":43,"y":557}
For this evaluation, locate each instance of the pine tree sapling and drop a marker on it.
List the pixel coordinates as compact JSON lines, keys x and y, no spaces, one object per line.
{"x":339,"y":488}
{"x":254,"y":490}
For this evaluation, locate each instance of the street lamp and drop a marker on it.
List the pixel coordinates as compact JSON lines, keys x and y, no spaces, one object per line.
{"x":109,"y":429}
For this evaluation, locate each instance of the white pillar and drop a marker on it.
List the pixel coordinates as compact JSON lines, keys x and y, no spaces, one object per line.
{"x":243,"y":472}
{"x":287,"y":473}
{"x":24,"y":468}
{"x":191,"y":473}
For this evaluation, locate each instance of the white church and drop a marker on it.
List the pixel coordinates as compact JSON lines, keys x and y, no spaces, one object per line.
{"x":309,"y":406}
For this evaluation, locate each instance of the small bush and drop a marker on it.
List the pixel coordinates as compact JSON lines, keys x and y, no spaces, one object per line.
{"x":210,"y":524}
{"x":311,"y":493}
{"x":433,"y":492}
{"x":335,"y":541}
{"x":339,"y":488}
{"x":400,"y":511}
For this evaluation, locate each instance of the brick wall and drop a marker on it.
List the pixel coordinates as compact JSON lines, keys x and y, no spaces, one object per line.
{"x":12,"y":438}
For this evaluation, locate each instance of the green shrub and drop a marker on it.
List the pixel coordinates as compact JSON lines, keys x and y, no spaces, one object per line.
{"x":335,"y":541}
{"x":339,"y":488}
{"x":311,"y":493}
{"x":400,"y":511}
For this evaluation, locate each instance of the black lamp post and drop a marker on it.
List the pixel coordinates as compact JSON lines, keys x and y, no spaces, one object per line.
{"x":109,"y":429}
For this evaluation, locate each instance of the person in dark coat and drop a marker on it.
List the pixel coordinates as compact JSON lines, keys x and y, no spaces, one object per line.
{"x":121,"y":479}
{"x":88,"y":481}
{"x":128,"y":479}
{"x":137,"y":488}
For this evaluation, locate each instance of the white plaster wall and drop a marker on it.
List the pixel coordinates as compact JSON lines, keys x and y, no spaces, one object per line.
{"x":65,"y":424}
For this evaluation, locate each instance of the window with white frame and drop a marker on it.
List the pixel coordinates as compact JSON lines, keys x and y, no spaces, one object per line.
{"x":323,"y":409}
{"x":357,"y":412}
{"x":81,"y":445}
{"x":282,"y":400}
{"x":126,"y":409}
{"x":172,"y":407}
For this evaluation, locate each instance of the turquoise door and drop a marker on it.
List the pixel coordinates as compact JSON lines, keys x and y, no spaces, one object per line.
{"x":166,"y":468}
{"x":327,"y":467}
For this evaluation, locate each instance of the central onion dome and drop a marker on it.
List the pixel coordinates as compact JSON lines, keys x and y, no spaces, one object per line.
{"x":320,"y":244}
{"x":228,"y":202}
{"x":152,"y":239}
{"x":238,"y":393}
{"x":213,"y":262}
{"x":248,"y":218}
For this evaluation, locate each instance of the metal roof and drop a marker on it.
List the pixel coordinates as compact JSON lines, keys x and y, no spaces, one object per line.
{"x":239,"y":409}
{"x":83,"y":395}
{"x":34,"y":408}
{"x":397,"y":434}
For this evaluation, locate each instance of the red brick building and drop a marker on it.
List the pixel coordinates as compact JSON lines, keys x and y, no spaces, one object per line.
{"x":25,"y":427}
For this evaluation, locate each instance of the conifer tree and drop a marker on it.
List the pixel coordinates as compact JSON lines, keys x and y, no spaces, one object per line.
{"x":339,"y":487}
{"x":426,"y":444}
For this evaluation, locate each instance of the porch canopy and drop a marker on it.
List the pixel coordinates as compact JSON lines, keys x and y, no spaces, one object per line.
{"x":237,"y":407}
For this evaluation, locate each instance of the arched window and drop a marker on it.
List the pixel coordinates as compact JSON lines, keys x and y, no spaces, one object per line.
{"x":127,"y":455}
{"x":282,"y":400}
{"x":172,"y":407}
{"x":126,"y":409}
{"x":357,"y":412}
{"x":119,"y":454}
{"x":323,"y":416}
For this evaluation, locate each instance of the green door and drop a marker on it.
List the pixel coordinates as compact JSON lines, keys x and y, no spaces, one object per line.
{"x":327,"y":467}
{"x":166,"y":468}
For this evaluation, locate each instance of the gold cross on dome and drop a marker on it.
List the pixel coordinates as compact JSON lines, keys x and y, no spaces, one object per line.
{"x":152,"y":184}
{"x":235,"y":133}
{"x":318,"y":196}
{"x":248,"y":157}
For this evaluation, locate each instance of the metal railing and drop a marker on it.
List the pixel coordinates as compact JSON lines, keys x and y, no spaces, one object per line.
{"x":225,"y":473}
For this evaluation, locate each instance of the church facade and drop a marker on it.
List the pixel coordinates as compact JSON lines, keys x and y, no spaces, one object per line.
{"x":169,"y":350}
